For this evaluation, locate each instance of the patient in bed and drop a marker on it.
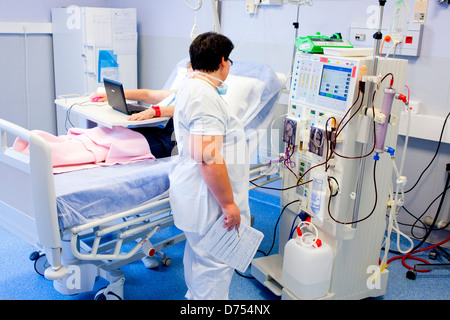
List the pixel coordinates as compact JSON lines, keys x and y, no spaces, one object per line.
{"x":101,"y":146}
{"x":159,"y":139}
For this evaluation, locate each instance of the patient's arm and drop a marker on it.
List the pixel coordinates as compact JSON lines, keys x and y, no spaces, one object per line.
{"x":148,"y":95}
{"x":150,"y":113}
{"x":144,"y":95}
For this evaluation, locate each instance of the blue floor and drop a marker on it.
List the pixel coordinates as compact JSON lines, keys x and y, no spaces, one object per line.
{"x":19,"y":281}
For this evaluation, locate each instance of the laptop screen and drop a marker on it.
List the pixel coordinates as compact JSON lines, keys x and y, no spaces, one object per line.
{"x":115,"y":95}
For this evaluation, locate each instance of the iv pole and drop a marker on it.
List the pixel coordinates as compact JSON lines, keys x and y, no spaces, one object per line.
{"x":377,"y":36}
{"x":296,"y":25}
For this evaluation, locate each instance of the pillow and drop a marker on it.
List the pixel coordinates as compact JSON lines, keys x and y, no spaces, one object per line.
{"x":180,"y":76}
{"x":253,"y":89}
{"x":243,"y":96}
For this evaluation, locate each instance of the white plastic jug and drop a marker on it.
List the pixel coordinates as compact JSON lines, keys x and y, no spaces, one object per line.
{"x":307,"y":269}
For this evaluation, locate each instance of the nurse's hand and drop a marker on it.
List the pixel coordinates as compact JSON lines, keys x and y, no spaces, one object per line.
{"x":232,"y":216}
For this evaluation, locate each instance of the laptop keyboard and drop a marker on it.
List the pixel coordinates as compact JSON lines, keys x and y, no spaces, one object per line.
{"x":135,"y":108}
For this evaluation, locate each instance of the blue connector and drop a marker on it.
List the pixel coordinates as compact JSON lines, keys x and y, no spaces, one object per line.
{"x":390,"y":150}
{"x":303,"y":215}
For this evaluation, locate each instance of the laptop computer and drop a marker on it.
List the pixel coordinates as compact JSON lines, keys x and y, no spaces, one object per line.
{"x":116,"y":98}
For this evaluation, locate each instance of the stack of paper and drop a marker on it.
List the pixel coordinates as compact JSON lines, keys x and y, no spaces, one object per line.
{"x":233,"y":248}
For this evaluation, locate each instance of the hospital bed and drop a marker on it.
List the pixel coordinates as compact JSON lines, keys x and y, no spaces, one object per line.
{"x":88,"y":223}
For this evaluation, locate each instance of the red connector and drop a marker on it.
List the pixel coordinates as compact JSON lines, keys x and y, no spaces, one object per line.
{"x":401,"y":97}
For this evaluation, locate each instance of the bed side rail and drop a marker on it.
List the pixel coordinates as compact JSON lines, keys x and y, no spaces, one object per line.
{"x":7,"y":155}
{"x":148,"y":218}
{"x":36,"y":170}
{"x":16,"y":207}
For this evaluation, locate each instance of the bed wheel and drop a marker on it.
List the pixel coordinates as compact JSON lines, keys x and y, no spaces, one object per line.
{"x":40,"y":262}
{"x":166,"y":261}
{"x":109,"y":296}
{"x":34,"y":255}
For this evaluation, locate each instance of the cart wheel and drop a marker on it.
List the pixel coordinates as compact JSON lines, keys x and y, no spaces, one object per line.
{"x":41,"y":264}
{"x":34,"y":255}
{"x":100,"y":295}
{"x":166,"y":261}
{"x":411,"y":274}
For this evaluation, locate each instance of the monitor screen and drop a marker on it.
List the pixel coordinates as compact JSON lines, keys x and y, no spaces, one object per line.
{"x":335,"y":82}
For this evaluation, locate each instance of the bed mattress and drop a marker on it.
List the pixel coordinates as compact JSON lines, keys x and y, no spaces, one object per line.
{"x":84,"y":195}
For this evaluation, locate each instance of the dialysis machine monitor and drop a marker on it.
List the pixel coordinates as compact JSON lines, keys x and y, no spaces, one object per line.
{"x":335,"y":82}
{"x":323,"y":87}
{"x":323,"y":82}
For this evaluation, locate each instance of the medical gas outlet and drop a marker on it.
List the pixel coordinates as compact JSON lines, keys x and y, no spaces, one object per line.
{"x":252,"y":5}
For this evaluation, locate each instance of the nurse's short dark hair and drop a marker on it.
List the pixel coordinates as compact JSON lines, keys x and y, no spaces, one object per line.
{"x":207,"y":50}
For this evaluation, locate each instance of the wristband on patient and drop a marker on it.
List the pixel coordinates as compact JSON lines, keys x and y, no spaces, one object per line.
{"x":157,"y":111}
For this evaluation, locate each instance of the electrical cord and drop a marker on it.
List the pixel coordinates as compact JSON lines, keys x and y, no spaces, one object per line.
{"x":438,"y":211}
{"x":371,"y":212}
{"x":67,"y":120}
{"x":418,"y":218}
{"x":276,"y":224}
{"x":273,"y":239}
{"x":442,"y":195}
{"x":434,"y":157}
{"x":69,"y":110}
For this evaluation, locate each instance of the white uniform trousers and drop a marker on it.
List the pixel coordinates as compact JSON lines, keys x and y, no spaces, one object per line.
{"x":206,"y":277}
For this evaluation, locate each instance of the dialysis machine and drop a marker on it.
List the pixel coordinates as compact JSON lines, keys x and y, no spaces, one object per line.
{"x":337,"y":170}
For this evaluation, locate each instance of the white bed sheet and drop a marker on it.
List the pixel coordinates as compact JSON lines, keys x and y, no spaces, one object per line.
{"x":84,"y":195}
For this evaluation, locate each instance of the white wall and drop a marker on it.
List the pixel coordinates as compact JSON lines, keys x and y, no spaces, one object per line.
{"x":164,"y":28}
{"x":26,"y":62}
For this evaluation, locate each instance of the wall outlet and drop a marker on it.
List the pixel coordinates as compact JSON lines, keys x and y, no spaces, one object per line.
{"x":269,"y":2}
{"x":250,"y":6}
{"x":413,"y":107}
{"x":361,"y":36}
{"x":420,"y":11}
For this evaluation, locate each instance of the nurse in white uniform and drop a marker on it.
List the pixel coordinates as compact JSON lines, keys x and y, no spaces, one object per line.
{"x":210,"y":175}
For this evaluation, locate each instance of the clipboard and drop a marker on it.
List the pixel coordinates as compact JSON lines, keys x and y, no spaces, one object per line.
{"x":230,"y":247}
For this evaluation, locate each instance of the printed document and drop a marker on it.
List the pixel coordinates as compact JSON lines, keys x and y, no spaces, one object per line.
{"x":236,"y":249}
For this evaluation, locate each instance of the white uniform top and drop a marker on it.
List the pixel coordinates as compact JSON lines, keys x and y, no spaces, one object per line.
{"x":200,"y":110}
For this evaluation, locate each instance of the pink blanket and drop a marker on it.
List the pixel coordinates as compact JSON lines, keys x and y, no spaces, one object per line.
{"x":85,"y":148}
